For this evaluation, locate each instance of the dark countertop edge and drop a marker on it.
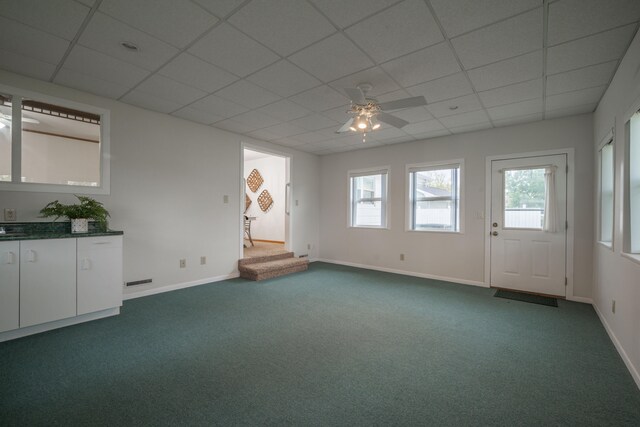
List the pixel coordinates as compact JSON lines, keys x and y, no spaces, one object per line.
{"x":45,"y":236}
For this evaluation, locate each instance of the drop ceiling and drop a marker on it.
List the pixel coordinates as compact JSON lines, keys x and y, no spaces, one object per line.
{"x":274,"y":70}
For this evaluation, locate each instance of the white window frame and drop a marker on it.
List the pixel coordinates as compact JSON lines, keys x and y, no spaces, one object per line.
{"x":383,"y":170}
{"x":409,"y":202}
{"x":609,"y":139}
{"x":626,"y":211}
{"x":16,"y":146}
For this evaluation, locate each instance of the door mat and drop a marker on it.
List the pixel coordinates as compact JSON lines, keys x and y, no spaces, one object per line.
{"x":534,"y":299}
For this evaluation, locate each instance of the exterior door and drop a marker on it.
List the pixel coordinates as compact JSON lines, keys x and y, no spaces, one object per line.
{"x":528,"y":224}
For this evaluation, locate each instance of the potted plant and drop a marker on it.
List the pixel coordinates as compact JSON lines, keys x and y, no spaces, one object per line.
{"x":79,"y":214}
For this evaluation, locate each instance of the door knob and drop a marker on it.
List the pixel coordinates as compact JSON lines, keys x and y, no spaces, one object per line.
{"x":495,"y":224}
{"x":495,"y":233}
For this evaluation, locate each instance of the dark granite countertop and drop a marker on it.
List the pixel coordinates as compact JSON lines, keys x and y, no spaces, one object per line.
{"x":48,"y":230}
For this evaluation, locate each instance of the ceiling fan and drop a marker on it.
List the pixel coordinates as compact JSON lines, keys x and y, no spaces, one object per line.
{"x":367,"y":112}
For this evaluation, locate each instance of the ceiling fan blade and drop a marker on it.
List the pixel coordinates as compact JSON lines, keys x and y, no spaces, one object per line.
{"x":356,"y":95}
{"x":391,"y":120}
{"x":416,"y":101}
{"x":345,"y":127}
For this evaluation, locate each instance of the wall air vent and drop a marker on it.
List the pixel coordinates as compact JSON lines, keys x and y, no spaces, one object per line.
{"x":139,"y":282}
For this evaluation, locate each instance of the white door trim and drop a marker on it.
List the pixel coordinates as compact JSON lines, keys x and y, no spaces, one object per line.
{"x":570,"y":211}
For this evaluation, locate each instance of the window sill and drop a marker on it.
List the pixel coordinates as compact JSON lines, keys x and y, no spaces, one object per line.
{"x":607,"y":245}
{"x":633,"y":257}
{"x":434,"y":231}
{"x":367,"y":227}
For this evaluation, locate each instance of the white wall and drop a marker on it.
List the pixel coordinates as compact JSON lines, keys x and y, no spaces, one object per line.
{"x":268,"y":225}
{"x":616,"y":277}
{"x":458,"y":257}
{"x":168,"y":179}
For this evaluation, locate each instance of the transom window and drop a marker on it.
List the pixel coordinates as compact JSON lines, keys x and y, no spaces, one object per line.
{"x":368,"y":199}
{"x":434,"y":197}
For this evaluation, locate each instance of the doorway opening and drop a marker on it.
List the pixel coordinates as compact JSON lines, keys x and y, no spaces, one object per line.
{"x":265,"y":203}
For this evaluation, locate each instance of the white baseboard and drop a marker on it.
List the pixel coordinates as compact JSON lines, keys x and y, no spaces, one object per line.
{"x":580,"y":299}
{"x":407,"y":273}
{"x":168,"y":288}
{"x":632,"y":369}
{"x":36,"y":329}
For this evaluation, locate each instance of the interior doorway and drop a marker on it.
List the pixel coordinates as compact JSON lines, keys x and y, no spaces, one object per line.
{"x":265,"y":202}
{"x":528,"y":233}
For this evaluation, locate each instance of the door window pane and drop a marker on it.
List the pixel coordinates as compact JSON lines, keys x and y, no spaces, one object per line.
{"x":60,"y":145}
{"x":524,"y":194}
{"x":5,"y":137}
{"x":368,"y":200}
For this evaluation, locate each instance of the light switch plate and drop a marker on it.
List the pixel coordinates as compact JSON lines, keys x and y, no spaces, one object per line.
{"x":9,"y":214}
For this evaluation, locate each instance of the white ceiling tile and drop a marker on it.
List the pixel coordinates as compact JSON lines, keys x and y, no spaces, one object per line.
{"x":248,"y":94}
{"x":331,"y":58}
{"x":177,"y":22}
{"x":512,"y":93}
{"x":507,"y":72}
{"x":403,"y":28}
{"x":422,"y":128}
{"x":575,"y":98}
{"x":87,"y":2}
{"x":197,"y":116}
{"x":284,"y":79}
{"x":103,"y":67}
{"x":571,"y":111}
{"x":380,"y":81}
{"x":32,"y":43}
{"x":218,"y":106}
{"x":309,"y":137}
{"x":595,"y":75}
{"x":284,"y":25}
{"x":451,"y":107}
{"x":284,"y":110}
{"x":264,"y":135}
{"x":231,"y":50}
{"x":320,"y":98}
{"x":171,"y":90}
{"x":150,"y":102}
{"x":518,"y":120}
{"x":26,"y":66}
{"x":315,"y":122}
{"x":465,"y":119}
{"x":515,"y":36}
{"x":283,"y":130}
{"x":338,"y":114}
{"x":433,"y":134}
{"x":590,"y":50}
{"x":220,"y":8}
{"x":517,"y":109}
{"x":195,"y":72}
{"x":253,"y":120}
{"x":90,"y":83}
{"x":413,"y":115}
{"x":471,"y":128}
{"x":105,"y":34}
{"x":344,"y":13}
{"x":424,"y":65}
{"x":571,"y":19}
{"x":61,"y":18}
{"x":232,"y":126}
{"x":461,"y":16}
{"x":448,"y":87}
{"x":385,"y":133}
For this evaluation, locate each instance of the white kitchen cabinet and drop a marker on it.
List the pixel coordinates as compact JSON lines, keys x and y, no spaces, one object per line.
{"x":47,"y":280}
{"x":99,"y":273}
{"x":9,"y":286}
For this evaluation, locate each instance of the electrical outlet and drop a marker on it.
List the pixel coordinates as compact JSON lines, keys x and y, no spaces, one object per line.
{"x":225,"y":199}
{"x":9,"y":214}
{"x":203,"y":260}
{"x":401,"y":257}
{"x":183,"y":263}
{"x":613,"y":306}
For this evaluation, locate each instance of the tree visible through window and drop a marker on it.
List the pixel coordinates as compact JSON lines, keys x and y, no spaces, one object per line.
{"x":524,"y":194}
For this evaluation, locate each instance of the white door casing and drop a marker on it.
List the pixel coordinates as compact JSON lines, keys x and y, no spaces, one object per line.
{"x":528,"y":259}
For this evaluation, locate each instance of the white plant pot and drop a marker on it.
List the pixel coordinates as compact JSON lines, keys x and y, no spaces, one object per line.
{"x":80,"y":225}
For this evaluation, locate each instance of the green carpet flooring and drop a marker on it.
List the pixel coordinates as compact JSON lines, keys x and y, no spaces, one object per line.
{"x":332,"y":346}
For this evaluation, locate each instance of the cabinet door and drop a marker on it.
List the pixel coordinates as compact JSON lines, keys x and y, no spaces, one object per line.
{"x":99,"y":273}
{"x":47,"y":280}
{"x":9,"y":286}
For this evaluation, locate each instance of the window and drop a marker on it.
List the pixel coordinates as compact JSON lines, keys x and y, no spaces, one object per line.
{"x":524,"y":198}
{"x":434,"y":197}
{"x":633,"y":186}
{"x":368,"y":199}
{"x":606,"y":192}
{"x":52,"y":145}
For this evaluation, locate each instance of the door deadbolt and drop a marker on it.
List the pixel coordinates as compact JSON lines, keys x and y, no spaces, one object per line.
{"x":495,"y":224}
{"x":495,"y":233}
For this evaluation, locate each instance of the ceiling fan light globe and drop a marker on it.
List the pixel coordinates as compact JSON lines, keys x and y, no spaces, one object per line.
{"x":362,"y":125}
{"x":375,"y":126}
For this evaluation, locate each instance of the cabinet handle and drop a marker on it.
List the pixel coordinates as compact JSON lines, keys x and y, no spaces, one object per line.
{"x":11,"y":258}
{"x":31,"y":255}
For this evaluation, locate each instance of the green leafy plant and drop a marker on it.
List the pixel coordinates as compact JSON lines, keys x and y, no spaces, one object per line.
{"x":87,"y":208}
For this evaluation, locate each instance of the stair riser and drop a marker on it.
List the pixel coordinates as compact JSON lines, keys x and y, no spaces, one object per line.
{"x":272,"y":274}
{"x":256,"y":260}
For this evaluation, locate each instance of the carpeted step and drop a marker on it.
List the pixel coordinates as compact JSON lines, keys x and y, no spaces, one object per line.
{"x":266,"y":258}
{"x":273,"y":268}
